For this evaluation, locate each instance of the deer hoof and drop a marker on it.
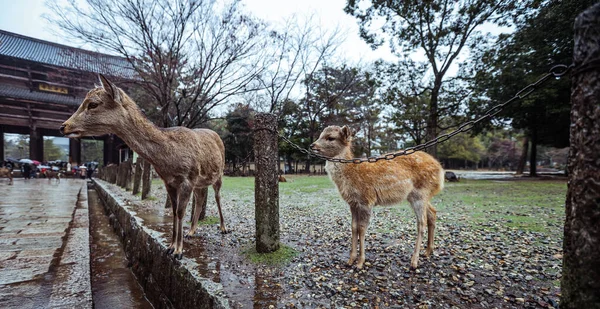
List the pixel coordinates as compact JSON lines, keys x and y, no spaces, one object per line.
{"x":178,"y":256}
{"x":187,"y":236}
{"x":428,"y":252}
{"x":224,"y":231}
{"x":170,"y":251}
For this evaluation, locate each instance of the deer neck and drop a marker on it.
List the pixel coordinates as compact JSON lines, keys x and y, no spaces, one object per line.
{"x":334,"y":168}
{"x":141,"y":135}
{"x":346,"y":154}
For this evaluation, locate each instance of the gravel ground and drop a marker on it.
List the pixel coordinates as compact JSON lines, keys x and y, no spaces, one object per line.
{"x":487,"y":264}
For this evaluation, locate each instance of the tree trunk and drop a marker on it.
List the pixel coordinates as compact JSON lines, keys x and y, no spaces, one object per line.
{"x":523,"y":158}
{"x":580,"y":283}
{"x":432,"y":119}
{"x":533,"y":154}
{"x":266,"y":183}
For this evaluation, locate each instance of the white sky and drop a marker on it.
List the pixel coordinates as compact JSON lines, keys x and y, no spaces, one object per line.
{"x":25,"y":17}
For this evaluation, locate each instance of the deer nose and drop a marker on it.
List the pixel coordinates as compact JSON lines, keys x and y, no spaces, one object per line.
{"x":62,"y":129}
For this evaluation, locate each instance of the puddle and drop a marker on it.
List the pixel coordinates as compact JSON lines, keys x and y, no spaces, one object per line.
{"x":250,"y":289}
{"x":113,"y":283}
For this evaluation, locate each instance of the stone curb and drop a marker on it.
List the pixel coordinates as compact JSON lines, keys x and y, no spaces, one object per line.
{"x":73,"y":287}
{"x":168,"y":283}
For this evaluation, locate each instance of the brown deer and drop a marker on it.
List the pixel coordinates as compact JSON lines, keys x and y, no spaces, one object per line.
{"x":6,"y":172}
{"x":52,"y":174}
{"x":186,"y":160}
{"x":416,"y":178}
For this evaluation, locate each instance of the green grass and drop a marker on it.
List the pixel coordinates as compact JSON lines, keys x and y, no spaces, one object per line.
{"x":282,"y":256}
{"x":531,"y":205}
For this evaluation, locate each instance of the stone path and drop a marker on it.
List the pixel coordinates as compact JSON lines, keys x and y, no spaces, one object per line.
{"x":44,"y":244}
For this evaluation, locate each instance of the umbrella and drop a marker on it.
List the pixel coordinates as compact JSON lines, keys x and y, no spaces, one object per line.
{"x":11,"y":160}
{"x":26,"y":161}
{"x":35,"y":162}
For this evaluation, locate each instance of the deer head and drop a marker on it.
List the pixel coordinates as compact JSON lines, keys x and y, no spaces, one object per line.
{"x":101,"y":111}
{"x":333,"y":141}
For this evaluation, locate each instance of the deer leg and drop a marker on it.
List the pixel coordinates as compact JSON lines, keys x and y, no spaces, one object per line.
{"x":421,"y":214}
{"x":363,"y":224}
{"x":217,"y":188}
{"x":183,"y":197}
{"x":198,"y":202}
{"x":172,"y":196}
{"x":431,"y":217}
{"x":168,"y":203}
{"x":354,"y":240}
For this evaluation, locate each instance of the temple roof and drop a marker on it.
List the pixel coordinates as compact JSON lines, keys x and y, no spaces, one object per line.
{"x":32,"y":49}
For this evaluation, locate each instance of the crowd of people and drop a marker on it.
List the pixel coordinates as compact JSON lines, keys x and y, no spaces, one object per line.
{"x":33,"y":170}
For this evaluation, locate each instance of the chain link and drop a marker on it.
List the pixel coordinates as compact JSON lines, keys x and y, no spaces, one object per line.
{"x":556,"y":71}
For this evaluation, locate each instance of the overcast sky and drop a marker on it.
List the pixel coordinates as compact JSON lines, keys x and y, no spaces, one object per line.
{"x":25,"y":17}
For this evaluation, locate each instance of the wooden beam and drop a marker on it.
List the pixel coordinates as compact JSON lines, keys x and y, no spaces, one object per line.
{"x":49,"y":111}
{"x":51,"y":124}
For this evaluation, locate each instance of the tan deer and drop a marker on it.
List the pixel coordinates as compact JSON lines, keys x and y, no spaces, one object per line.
{"x":52,"y":175}
{"x":6,"y":172}
{"x":416,"y":178}
{"x":186,"y":160}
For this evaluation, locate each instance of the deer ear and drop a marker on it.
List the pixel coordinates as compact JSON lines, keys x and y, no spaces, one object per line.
{"x":347,"y":132}
{"x":110,"y":88}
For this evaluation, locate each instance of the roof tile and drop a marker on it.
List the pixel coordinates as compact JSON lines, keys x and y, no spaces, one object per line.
{"x":18,"y":46}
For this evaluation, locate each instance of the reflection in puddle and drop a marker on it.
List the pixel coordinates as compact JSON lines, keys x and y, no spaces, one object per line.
{"x":113,"y":283}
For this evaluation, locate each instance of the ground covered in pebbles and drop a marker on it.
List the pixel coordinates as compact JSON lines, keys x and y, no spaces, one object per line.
{"x":498,"y":245}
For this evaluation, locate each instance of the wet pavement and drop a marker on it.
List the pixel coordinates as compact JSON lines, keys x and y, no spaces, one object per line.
{"x":44,"y":244}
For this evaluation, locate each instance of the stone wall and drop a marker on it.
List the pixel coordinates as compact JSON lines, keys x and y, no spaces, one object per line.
{"x":168,"y":283}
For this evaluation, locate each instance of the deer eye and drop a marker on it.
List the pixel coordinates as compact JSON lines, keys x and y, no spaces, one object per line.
{"x":331,"y":139}
{"x":92,"y":105}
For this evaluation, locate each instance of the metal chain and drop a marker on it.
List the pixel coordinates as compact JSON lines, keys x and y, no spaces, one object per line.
{"x":556,"y":71}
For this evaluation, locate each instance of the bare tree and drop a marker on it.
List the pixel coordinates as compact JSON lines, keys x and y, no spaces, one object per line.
{"x":298,"y":48}
{"x":190,"y":56}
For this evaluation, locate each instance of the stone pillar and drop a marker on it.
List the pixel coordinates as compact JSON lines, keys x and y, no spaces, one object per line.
{"x":128,"y":174}
{"x":146,"y":180}
{"x":75,"y":151}
{"x":266,"y":190}
{"x":36,"y":145}
{"x":580,"y":283}
{"x":137,"y":176}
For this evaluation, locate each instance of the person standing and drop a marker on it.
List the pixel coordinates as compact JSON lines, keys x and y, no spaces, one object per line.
{"x":90,"y":170}
{"x":82,"y":171}
{"x":26,"y":171}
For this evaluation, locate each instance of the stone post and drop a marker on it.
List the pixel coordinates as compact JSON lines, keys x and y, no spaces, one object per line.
{"x":119,"y":179}
{"x":580,"y":283}
{"x":113,"y":173}
{"x":266,"y":185}
{"x":128,"y":174}
{"x":137,"y":176}
{"x":146,"y":180}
